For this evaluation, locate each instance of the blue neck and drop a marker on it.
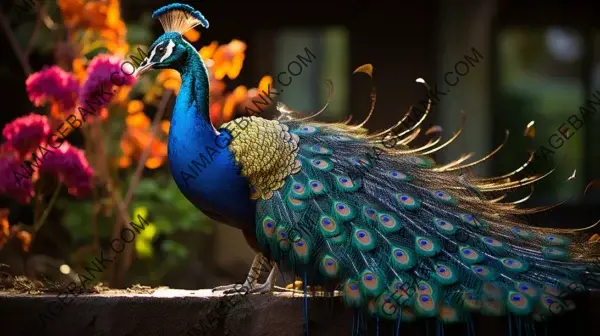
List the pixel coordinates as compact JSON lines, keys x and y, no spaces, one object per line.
{"x":203,"y":168}
{"x":195,"y":92}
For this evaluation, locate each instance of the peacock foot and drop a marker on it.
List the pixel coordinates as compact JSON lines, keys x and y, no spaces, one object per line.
{"x":246,"y":288}
{"x":226,"y":288}
{"x":250,"y":286}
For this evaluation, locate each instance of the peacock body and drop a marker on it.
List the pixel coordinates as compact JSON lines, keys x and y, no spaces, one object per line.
{"x":395,"y":233}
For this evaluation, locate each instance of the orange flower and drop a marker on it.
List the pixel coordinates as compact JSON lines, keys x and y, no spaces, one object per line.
{"x":4,"y":227}
{"x":215,"y":113}
{"x":138,"y":136}
{"x":169,"y":79}
{"x":79,"y":65}
{"x":229,"y":59}
{"x":264,"y":85}
{"x":24,"y":237}
{"x":102,"y":18}
{"x":192,"y":35}
{"x":124,"y":162}
{"x":71,"y":10}
{"x":122,"y":95}
{"x":138,"y":120}
{"x":238,"y":95}
{"x":207,"y":52}
{"x":6,"y":232}
{"x":135,"y":106}
{"x":57,"y":112}
{"x":165,"y":125}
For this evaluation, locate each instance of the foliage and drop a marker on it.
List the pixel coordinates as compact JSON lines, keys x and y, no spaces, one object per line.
{"x":122,"y":160}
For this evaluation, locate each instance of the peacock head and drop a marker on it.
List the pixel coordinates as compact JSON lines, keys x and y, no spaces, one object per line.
{"x":170,"y":50}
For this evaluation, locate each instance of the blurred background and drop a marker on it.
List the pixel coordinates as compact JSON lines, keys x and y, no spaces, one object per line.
{"x":538,"y":61}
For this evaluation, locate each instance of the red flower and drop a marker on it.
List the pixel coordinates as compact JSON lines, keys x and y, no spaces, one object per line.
{"x":26,"y":133}
{"x":19,"y":188}
{"x":53,"y":85}
{"x":70,"y":166}
{"x":104,"y":73}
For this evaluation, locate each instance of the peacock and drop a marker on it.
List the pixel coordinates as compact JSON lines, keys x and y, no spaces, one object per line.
{"x":397,"y":235}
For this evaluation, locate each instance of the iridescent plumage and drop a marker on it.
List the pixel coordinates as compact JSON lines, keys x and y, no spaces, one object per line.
{"x":397,"y":234}
{"x":390,"y":220}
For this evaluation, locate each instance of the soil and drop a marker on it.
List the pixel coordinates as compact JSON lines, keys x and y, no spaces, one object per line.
{"x":23,"y":285}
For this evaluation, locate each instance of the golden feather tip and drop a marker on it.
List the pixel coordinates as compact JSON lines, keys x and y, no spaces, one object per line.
{"x":365,"y":68}
{"x":434,"y":129}
{"x":530,"y":130}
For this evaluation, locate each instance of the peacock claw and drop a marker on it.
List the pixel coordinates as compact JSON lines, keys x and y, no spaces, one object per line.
{"x":250,"y":286}
{"x":265,"y":288}
{"x":225,"y":288}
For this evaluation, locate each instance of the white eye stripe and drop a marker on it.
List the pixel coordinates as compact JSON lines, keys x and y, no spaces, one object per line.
{"x":153,"y":52}
{"x":170,"y":47}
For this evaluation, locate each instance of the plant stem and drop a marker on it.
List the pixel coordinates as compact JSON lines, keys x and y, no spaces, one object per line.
{"x":39,"y":223}
{"x":37,"y":203}
{"x":128,"y":252}
{"x":15,"y":44}
{"x":142,"y":161}
{"x":122,"y":217}
{"x":93,"y":136}
{"x":38,"y":24}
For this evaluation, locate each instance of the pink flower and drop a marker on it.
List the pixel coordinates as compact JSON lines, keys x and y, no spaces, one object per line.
{"x":70,"y":166}
{"x":53,"y":85}
{"x":26,"y":133}
{"x":104,"y":73}
{"x":12,"y":183}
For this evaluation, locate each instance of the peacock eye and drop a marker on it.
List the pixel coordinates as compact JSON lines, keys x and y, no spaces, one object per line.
{"x":161,"y":49}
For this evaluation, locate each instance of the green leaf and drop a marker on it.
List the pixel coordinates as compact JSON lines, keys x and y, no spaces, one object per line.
{"x":144,"y":204}
{"x":189,"y":220}
{"x":46,"y":40}
{"x":147,"y":187}
{"x":207,"y":227}
{"x":96,"y":52}
{"x":144,"y":249}
{"x":138,"y":34}
{"x":105,"y":226}
{"x":24,"y":31}
{"x":146,"y":19}
{"x":62,"y":204}
{"x":77,"y":221}
{"x":167,"y":196}
{"x":163,"y":225}
{"x":182,"y":205}
{"x":174,"y":248}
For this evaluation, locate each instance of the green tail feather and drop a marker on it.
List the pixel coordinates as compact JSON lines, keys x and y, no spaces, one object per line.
{"x":401,"y":240}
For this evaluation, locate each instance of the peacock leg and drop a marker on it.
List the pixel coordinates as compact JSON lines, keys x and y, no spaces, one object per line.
{"x":269,"y":284}
{"x":251,"y":279}
{"x":250,"y":284}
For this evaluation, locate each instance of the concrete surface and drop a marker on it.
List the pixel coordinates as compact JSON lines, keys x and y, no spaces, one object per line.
{"x":181,"y":312}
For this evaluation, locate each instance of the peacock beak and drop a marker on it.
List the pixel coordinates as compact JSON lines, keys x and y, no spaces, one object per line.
{"x":144,"y":67}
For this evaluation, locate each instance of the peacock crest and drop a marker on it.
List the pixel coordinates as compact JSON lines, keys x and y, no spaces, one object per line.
{"x":179,"y":18}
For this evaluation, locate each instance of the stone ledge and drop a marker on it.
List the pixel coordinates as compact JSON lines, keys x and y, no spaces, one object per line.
{"x":179,"y":312}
